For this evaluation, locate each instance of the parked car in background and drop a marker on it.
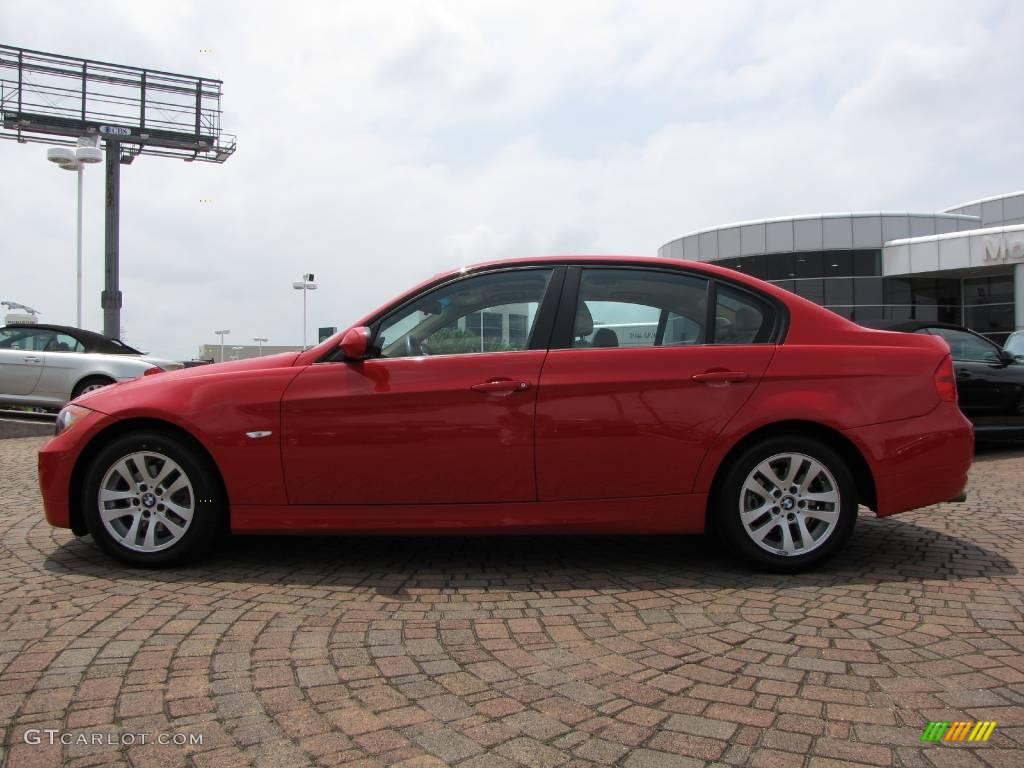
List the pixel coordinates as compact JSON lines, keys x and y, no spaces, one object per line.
{"x":45,"y":366}
{"x":1015,"y":345}
{"x":499,"y":399}
{"x":989,"y":379}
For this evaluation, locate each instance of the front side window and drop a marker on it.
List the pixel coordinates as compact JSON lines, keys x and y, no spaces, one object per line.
{"x":27,"y":340}
{"x":494,"y":312}
{"x":639,"y":308}
{"x":1015,"y":343}
{"x":967,"y":346}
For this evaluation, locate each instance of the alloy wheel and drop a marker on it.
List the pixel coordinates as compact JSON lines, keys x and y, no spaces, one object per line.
{"x":789,"y":504}
{"x":146,"y":501}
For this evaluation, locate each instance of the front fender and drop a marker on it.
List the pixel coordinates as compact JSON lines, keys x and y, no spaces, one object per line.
{"x":219,"y":411}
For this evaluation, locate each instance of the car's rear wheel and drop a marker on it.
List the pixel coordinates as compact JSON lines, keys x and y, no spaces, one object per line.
{"x":786,"y":503}
{"x":152,"y":500}
{"x":89,"y":384}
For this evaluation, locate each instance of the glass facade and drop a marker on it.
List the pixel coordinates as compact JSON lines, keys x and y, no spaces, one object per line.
{"x":956,"y":266}
{"x":850,"y":284}
{"x":988,"y":304}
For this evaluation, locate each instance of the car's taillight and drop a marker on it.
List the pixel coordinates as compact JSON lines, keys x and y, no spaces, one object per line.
{"x":151,"y":371}
{"x":945,"y":380}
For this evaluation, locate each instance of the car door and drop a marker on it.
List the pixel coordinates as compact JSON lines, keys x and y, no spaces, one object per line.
{"x":644,"y":380}
{"x":63,"y":365}
{"x":444,"y":413}
{"x":21,"y":359}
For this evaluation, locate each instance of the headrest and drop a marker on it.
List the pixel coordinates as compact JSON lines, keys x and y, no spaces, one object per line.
{"x":605,"y":337}
{"x":584,"y":325}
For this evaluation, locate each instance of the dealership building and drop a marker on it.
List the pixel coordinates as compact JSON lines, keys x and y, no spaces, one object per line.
{"x":964,"y":265}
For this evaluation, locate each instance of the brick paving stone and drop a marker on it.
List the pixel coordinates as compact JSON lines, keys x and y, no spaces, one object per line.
{"x":633,"y":652}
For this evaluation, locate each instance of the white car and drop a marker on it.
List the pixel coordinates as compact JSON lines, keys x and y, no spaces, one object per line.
{"x":45,"y":366}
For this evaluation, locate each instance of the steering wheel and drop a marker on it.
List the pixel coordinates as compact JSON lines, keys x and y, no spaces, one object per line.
{"x":414,"y":348}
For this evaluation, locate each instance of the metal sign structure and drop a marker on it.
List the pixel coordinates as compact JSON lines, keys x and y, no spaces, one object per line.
{"x":54,"y":99}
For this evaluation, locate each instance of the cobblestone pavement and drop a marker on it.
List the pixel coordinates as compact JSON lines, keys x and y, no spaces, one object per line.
{"x":631,"y":651}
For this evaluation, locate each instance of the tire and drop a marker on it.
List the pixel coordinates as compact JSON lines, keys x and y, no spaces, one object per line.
{"x":90,"y":383}
{"x":758,"y":515}
{"x":161,"y":525}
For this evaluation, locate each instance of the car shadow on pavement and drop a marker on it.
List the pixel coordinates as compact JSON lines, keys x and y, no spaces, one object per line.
{"x":880,"y":551}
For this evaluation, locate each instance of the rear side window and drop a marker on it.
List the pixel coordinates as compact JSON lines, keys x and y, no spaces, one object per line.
{"x":639,"y":308}
{"x":741,"y":317}
{"x":64,"y":343}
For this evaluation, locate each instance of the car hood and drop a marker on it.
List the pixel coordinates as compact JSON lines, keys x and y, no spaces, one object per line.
{"x":105,"y":399}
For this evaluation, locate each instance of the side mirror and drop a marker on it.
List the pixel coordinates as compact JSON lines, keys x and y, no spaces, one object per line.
{"x":1006,"y":357}
{"x":355,"y":344}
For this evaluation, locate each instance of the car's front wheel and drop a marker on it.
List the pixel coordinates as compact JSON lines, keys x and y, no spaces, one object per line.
{"x":151,"y":500}
{"x":786,"y":503}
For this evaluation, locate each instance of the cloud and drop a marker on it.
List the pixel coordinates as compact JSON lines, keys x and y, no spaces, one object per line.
{"x":381,"y":143}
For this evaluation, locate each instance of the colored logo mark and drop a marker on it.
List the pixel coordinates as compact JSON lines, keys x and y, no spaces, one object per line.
{"x":963,"y":730}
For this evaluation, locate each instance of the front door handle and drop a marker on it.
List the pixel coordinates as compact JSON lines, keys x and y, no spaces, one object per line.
{"x":33,"y":359}
{"x":501,"y":385}
{"x":719,"y":377}
{"x":963,"y":373}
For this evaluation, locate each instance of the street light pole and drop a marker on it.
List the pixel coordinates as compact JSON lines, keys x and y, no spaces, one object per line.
{"x":304,"y":285}
{"x":69,"y":159}
{"x":222,"y":334}
{"x":261,"y":340}
{"x":78,"y":287}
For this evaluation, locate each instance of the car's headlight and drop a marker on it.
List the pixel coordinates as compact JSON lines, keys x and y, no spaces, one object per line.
{"x":69,"y":416}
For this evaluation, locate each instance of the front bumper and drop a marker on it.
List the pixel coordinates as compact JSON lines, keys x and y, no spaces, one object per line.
{"x":920,"y":461}
{"x":56,"y":462}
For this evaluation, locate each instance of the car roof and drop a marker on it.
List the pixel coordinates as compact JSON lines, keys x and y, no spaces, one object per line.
{"x":94,"y":342}
{"x":706,"y":268}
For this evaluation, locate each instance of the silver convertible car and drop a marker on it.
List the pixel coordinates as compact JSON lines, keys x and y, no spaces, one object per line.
{"x":45,"y":366}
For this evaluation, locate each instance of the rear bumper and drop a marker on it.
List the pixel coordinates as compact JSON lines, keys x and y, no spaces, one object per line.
{"x":56,"y":462}
{"x":920,"y":461}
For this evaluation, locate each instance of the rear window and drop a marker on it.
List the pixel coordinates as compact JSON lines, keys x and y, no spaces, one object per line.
{"x":741,"y":317}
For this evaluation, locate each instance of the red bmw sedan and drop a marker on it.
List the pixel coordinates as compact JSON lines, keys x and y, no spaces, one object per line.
{"x":573,"y":395}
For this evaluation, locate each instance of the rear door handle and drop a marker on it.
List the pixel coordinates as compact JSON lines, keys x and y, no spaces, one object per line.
{"x":719,"y":377}
{"x":963,"y":373}
{"x":501,"y":385}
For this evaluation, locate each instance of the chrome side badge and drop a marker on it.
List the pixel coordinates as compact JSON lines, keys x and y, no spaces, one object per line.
{"x":259,"y":433}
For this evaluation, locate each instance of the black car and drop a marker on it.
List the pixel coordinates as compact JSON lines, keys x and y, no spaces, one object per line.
{"x":989,"y":380}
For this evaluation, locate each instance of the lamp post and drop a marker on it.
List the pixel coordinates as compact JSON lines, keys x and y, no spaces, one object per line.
{"x":87,"y":152}
{"x":261,"y":340}
{"x":236,"y":350}
{"x":222,"y":334}
{"x":305,"y":284}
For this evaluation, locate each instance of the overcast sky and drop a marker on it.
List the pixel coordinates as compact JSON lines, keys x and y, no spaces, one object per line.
{"x":380,"y":143}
